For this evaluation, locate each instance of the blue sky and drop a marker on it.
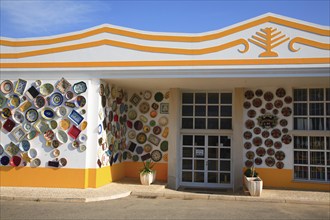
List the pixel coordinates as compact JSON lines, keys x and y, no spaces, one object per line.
{"x":35,"y":18}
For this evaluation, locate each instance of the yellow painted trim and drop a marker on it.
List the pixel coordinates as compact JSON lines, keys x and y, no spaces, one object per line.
{"x":132,"y":169}
{"x":153,"y":37}
{"x":307,"y":42}
{"x":283,"y":178}
{"x":274,"y":61}
{"x":127,"y":46}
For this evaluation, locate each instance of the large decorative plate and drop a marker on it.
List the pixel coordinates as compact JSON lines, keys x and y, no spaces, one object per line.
{"x":279,"y":165}
{"x":164,"y":146}
{"x":286,"y":139}
{"x":280,"y":92}
{"x":131,"y":134}
{"x":18,"y":117}
{"x":39,"y":101}
{"x":138,"y":125}
{"x":257,"y":141}
{"x":280,"y":155}
{"x":270,"y":161}
{"x":260,"y":151}
{"x":257,"y":102}
{"x":249,"y":94}
{"x":276,"y":133}
{"x":249,"y":124}
{"x":141,"y":138}
{"x":157,"y":130}
{"x":7,"y":87}
{"x":259,"y":92}
{"x":156,"y":155}
{"x":163,"y":121}
{"x":286,"y":111}
{"x":31,"y":115}
{"x":80,"y":87}
{"x":247,"y":145}
{"x":247,"y":104}
{"x":144,"y":107}
{"x":62,"y":136}
{"x":247,"y":135}
{"x":278,"y":103}
{"x":268,"y":96}
{"x":132,"y":114}
{"x":270,"y":151}
{"x":46,"y":89}
{"x":258,"y":161}
{"x":250,"y":155}
{"x":288,"y":99}
{"x":81,"y":101}
{"x":269,"y":106}
{"x":251,"y":113}
{"x":56,"y":99}
{"x":147,"y":148}
{"x":248,"y":163}
{"x":47,"y":113}
{"x":159,"y":97}
{"x":269,"y":142}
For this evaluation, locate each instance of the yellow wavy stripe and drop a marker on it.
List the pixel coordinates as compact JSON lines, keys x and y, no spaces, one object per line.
{"x":128,"y":46}
{"x":278,"y":61}
{"x":307,"y":42}
{"x":153,"y":37}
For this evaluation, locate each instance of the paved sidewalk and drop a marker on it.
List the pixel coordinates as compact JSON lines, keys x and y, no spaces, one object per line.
{"x":127,"y":187}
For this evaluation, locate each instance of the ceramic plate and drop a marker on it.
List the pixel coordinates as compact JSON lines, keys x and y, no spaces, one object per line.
{"x":18,"y":117}
{"x":270,"y":161}
{"x":14,"y":101}
{"x":82,"y":148}
{"x":247,"y":145}
{"x":61,"y":111}
{"x":250,"y":155}
{"x":156,"y":155}
{"x":80,"y":87}
{"x":62,"y":136}
{"x":31,"y":115}
{"x":27,"y":126}
{"x":159,"y":97}
{"x":268,"y":96}
{"x":164,"y":146}
{"x":35,"y":162}
{"x":163,"y":121}
{"x":83,"y":138}
{"x":157,"y":130}
{"x":39,"y":101}
{"x":257,"y":141}
{"x":65,"y":124}
{"x":56,"y":152}
{"x":147,"y":148}
{"x":280,"y":92}
{"x":1,"y":149}
{"x":260,"y":151}
{"x":6,"y":87}
{"x":47,"y":113}
{"x":56,"y":99}
{"x":32,"y":153}
{"x":259,"y":92}
{"x":135,"y":158}
{"x":249,"y":94}
{"x":139,"y":150}
{"x":141,"y":138}
{"x":46,"y":89}
{"x":147,"y":95}
{"x":258,"y":161}
{"x":144,"y":107}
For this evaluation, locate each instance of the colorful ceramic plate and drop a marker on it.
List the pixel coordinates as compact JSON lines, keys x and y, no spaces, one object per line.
{"x":63,"y":162}
{"x":138,"y":125}
{"x":146,"y":129}
{"x":47,"y":113}
{"x":159,"y":97}
{"x":139,"y":150}
{"x":147,"y":148}
{"x":163,"y":121}
{"x":164,"y":146}
{"x":83,"y":138}
{"x":65,"y":124}
{"x":156,"y":155}
{"x":153,"y":113}
{"x":32,"y":153}
{"x":144,"y":107}
{"x":247,"y":145}
{"x":251,"y":113}
{"x":135,"y":158}
{"x":12,"y":149}
{"x":32,"y":134}
{"x":278,"y":103}
{"x":247,"y":135}
{"x":258,"y":161}
{"x":270,"y":161}
{"x":1,"y":149}
{"x":63,"y":86}
{"x":56,"y":99}
{"x":257,"y":130}
{"x":249,"y":124}
{"x":56,"y":152}
{"x":143,"y":118}
{"x":6,"y":87}
{"x":283,"y":122}
{"x":62,"y":136}
{"x":81,"y":101}
{"x":46,"y":89}
{"x":257,"y":141}
{"x":74,"y":132}
{"x":35,"y":162}
{"x":154,"y":139}
{"x":141,"y":138}
{"x":61,"y":111}
{"x":247,"y":104}
{"x":75,"y":117}
{"x":31,"y":115}
{"x":276,"y":133}
{"x":53,"y":124}
{"x":268,"y":142}
{"x":286,"y":111}
{"x":270,"y":151}
{"x":265,"y":134}
{"x":250,"y":155}
{"x":14,"y":101}
{"x":269,"y":106}
{"x":82,"y":148}
{"x":257,"y":102}
{"x":147,"y":95}
{"x":18,"y":117}
{"x":260,"y":151}
{"x":279,"y":164}
{"x":249,"y":163}
{"x":80,"y":87}
{"x":288,"y":99}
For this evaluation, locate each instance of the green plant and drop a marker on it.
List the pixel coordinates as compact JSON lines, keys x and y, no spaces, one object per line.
{"x":251,"y":172}
{"x":147,"y":167}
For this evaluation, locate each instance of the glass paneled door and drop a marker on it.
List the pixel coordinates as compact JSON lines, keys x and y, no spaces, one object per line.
{"x":206,"y":160}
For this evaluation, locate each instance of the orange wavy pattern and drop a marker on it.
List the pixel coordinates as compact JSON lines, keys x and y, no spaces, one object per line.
{"x":307,"y":42}
{"x":129,"y":46}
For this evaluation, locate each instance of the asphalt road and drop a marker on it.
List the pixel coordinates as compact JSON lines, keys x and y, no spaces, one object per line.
{"x":160,"y":208}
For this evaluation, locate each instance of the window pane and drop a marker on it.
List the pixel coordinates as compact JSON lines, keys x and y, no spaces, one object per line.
{"x":187,"y":164}
{"x":224,"y":177}
{"x":199,"y":177}
{"x":224,"y":165}
{"x":225,"y":111}
{"x":316,"y":109}
{"x":327,"y":94}
{"x":301,"y":172}
{"x":225,"y":123}
{"x":328,"y":158}
{"x":328,"y":124}
{"x":300,"y":94}
{"x":300,"y":157}
{"x":199,"y":165}
{"x":200,"y":123}
{"x":213,"y":140}
{"x":200,"y":110}
{"x":187,"y":152}
{"x":213,"y":110}
{"x":212,"y":177}
{"x":187,"y":110}
{"x":187,"y":123}
{"x":317,"y":173}
{"x":212,"y":165}
{"x":317,"y":143}
{"x":316,"y":95}
{"x":300,"y":108}
{"x":186,"y":176}
{"x":212,"y":123}
{"x":187,"y":140}
{"x":300,"y":124}
{"x":200,"y":98}
{"x":213,"y":98}
{"x":187,"y":98}
{"x":327,"y":108}
{"x":316,"y":124}
{"x":328,"y":143}
{"x":225,"y":141}
{"x":317,"y":158}
{"x":212,"y":152}
{"x":300,"y":142}
{"x":224,"y":153}
{"x":199,"y":140}
{"x":226,"y":98}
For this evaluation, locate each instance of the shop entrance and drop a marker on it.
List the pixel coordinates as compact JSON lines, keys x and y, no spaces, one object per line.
{"x":206,"y":139}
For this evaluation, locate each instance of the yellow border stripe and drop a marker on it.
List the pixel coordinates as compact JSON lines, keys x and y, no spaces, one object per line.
{"x":127,"y":46}
{"x":279,"y":61}
{"x":319,"y":31}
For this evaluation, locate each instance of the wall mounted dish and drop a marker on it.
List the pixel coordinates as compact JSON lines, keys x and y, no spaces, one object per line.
{"x":2,"y":150}
{"x":61,"y":111}
{"x":280,"y":155}
{"x":3,"y":101}
{"x":9,"y":125}
{"x":159,"y":97}
{"x":56,"y":99}
{"x":249,"y":163}
{"x":62,"y":136}
{"x":163,"y":121}
{"x":278,"y":103}
{"x":14,"y":101}
{"x":18,"y":117}
{"x":47,"y":113}
{"x":250,"y":155}
{"x":20,"y":87}
{"x":258,"y":161}
{"x":82,"y":148}
{"x":247,"y":104}
{"x":63,"y":86}
{"x":247,"y":135}
{"x":46,"y":89}
{"x":270,"y":161}
{"x":256,"y":130}
{"x":39,"y":102}
{"x":41,"y":126}
{"x":279,"y":164}
{"x":56,"y":152}
{"x":147,"y":148}
{"x":249,"y":94}
{"x":154,"y":139}
{"x":153,"y":114}
{"x":12,"y":149}
{"x":15,"y":161}
{"x":6,"y":113}
{"x":35,"y":162}
{"x":18,"y":134}
{"x":6,"y":87}
{"x":139,"y":150}
{"x":144,"y":107}
{"x":280,"y":92}
{"x":69,"y":95}
{"x":249,"y":124}
{"x":247,"y":145}
{"x":65,"y":124}
{"x":74,"y":132}
{"x":5,"y":160}
{"x":268,"y":96}
{"x":257,"y":141}
{"x":135,"y":99}
{"x":156,"y":155}
{"x":75,"y":117}
{"x":49,"y":135}
{"x":147,"y":95}
{"x":80,"y":87}
{"x":259,"y":92}
{"x":83,"y":138}
{"x":135,"y":158}
{"x":260,"y":151}
{"x":270,"y":151}
{"x":32,"y":134}
{"x":257,"y":102}
{"x":141,"y":138}
{"x":164,"y":146}
{"x":157,"y":130}
{"x":143,"y":118}
{"x":288,"y":99}
{"x":32,"y":153}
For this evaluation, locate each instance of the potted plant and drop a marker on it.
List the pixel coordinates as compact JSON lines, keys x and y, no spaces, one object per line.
{"x":253,"y":182}
{"x":147,"y":175}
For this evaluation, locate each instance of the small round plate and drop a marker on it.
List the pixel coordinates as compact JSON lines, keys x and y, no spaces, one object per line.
{"x":159,"y":97}
{"x":24,"y":145}
{"x":31,"y":115}
{"x":131,"y":134}
{"x":39,"y":101}
{"x":46,"y":89}
{"x":132,"y":114}
{"x":141,"y":138}
{"x":47,"y":113}
{"x":63,"y":162}
{"x":62,"y":136}
{"x":6,"y":87}
{"x":164,"y":146}
{"x":144,"y":107}
{"x":1,"y":149}
{"x":135,"y":158}
{"x":147,"y":148}
{"x":157,"y":130}
{"x":139,"y":150}
{"x":61,"y":111}
{"x":82,"y":148}
{"x":56,"y":152}
{"x":163,"y":121}
{"x":56,"y":99}
{"x":32,"y":153}
{"x":53,"y":124}
{"x":147,"y":95}
{"x":65,"y":124}
{"x":18,"y":117}
{"x":156,"y":155}
{"x":83,"y":138}
{"x":35,"y":162}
